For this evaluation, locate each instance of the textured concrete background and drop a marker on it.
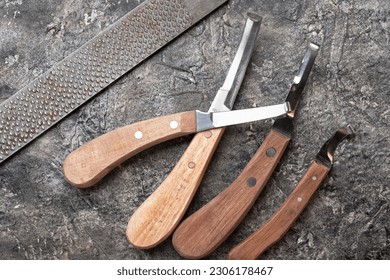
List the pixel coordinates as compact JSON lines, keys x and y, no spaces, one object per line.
{"x":43,"y":217}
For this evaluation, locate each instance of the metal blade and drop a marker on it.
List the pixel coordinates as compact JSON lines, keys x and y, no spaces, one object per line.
{"x":285,"y":125}
{"x":227,"y":94}
{"x":301,"y":78}
{"x":326,"y":154}
{"x":205,"y":121}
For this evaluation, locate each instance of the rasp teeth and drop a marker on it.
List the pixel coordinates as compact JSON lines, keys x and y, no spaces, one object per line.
{"x":87,"y":71}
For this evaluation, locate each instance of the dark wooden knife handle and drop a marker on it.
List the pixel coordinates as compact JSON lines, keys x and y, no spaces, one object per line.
{"x":201,"y":233}
{"x":277,"y":226}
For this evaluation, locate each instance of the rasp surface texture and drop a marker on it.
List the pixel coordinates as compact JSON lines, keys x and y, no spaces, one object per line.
{"x":43,"y":217}
{"x":87,"y":71}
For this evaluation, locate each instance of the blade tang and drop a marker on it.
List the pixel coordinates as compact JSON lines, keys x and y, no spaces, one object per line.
{"x":227,"y":94}
{"x":202,"y":232}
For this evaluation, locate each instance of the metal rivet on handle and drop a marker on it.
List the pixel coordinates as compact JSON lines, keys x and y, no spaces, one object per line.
{"x":271,"y":152}
{"x":138,"y":134}
{"x":174,"y":124}
{"x":208,"y":134}
{"x":251,"y":182}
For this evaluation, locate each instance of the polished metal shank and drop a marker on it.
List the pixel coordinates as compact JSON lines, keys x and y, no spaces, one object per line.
{"x":205,"y":121}
{"x":224,"y":100}
{"x":301,"y":77}
{"x":285,"y":125}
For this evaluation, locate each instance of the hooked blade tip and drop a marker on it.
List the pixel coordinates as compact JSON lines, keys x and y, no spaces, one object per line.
{"x":254,"y":17}
{"x":314,"y":46}
{"x":349,"y":131}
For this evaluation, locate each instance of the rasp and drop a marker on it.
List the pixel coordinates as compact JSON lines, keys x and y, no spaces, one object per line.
{"x":203,"y":231}
{"x":282,"y":220}
{"x":94,"y":66}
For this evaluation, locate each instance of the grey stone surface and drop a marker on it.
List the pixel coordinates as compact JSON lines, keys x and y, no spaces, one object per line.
{"x":43,"y":217}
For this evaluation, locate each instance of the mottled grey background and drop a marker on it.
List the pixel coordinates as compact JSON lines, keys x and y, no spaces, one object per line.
{"x":43,"y":217}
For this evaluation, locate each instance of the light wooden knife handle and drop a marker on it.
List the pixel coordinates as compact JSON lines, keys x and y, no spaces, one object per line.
{"x":277,"y":226}
{"x":206,"y":229}
{"x":162,"y":211}
{"x":92,"y":161}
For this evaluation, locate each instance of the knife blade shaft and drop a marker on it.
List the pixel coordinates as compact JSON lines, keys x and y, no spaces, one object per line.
{"x":301,"y":77}
{"x":227,"y":94}
{"x":207,"y":121}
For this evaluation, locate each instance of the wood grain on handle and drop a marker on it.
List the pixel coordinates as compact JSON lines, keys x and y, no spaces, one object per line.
{"x":91,"y":162}
{"x":162,"y":211}
{"x":277,"y":226}
{"x":202,"y":232}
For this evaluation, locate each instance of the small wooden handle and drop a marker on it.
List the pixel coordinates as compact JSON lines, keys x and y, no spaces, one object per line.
{"x":162,"y":211}
{"x":277,"y":226}
{"x":91,"y":162}
{"x":206,"y":229}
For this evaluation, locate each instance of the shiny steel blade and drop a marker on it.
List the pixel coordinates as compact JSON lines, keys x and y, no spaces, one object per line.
{"x":301,"y":78}
{"x":227,"y":94}
{"x":205,"y":121}
{"x":285,"y":125}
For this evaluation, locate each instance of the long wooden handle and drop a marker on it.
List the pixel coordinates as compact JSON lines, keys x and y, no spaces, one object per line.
{"x":206,"y":229}
{"x":277,"y":226}
{"x":162,"y":211}
{"x":91,"y":162}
